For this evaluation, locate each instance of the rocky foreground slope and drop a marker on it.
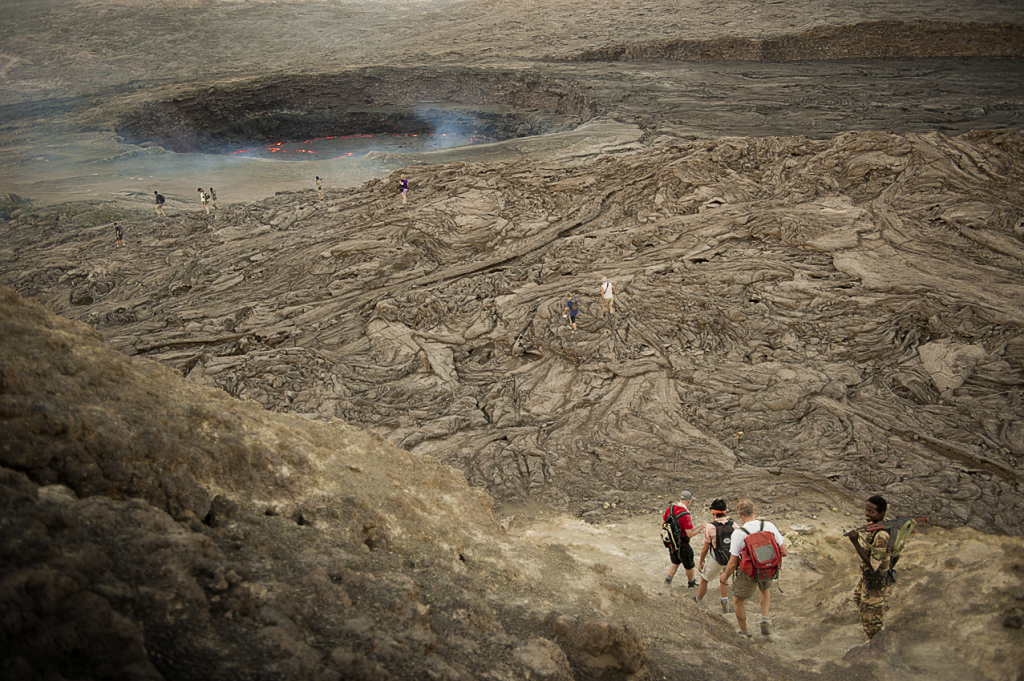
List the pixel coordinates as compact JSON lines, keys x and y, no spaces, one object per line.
{"x":155,"y":529}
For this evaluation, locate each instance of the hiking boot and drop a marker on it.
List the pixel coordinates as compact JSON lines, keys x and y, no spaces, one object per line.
{"x":764,"y":628}
{"x":725,"y":608}
{"x":746,"y":634}
{"x":692,"y":583}
{"x":668,"y":581}
{"x":696,"y":601}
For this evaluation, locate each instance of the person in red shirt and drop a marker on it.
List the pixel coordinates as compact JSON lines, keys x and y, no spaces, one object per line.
{"x":684,"y":556}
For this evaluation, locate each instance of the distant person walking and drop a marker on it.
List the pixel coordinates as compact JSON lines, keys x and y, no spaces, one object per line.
{"x":572,"y":308}
{"x":682,"y":554}
{"x":118,"y":234}
{"x":717,"y":542}
{"x":204,"y":199}
{"x":319,"y":188}
{"x":747,"y":559}
{"x":213,"y":198}
{"x":160,"y":201}
{"x":403,"y":184}
{"x":607,"y":297}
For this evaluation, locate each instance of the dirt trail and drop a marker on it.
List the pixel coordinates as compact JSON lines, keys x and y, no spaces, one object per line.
{"x":620,"y":568}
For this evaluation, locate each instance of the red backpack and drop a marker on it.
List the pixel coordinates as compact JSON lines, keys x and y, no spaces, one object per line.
{"x":761,"y":556}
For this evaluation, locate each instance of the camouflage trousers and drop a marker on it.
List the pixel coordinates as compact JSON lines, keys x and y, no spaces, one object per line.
{"x":872,"y":604}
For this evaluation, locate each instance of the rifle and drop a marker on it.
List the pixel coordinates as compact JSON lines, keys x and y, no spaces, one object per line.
{"x":904,"y":526}
{"x":888,"y":524}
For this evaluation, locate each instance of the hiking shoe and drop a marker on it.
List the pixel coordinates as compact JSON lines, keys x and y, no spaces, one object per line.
{"x":725,"y":608}
{"x":692,"y":583}
{"x":746,"y":634}
{"x":668,"y":581}
{"x":696,"y":601}
{"x":764,"y":628}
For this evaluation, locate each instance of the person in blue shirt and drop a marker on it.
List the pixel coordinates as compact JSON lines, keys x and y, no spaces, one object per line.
{"x":572,"y":308}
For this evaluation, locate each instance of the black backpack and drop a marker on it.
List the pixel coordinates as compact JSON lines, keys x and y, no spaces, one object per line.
{"x":574,"y":306}
{"x":723,"y":541}
{"x":160,"y":198}
{"x":672,"y":535}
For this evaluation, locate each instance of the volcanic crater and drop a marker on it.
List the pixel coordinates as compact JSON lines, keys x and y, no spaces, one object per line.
{"x":497,"y":105}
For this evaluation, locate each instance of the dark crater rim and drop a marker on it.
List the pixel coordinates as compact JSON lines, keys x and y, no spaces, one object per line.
{"x":497,"y":104}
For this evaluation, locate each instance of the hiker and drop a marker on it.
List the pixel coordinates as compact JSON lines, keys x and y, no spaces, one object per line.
{"x":160,"y":200}
{"x":607,"y":296}
{"x":118,"y":234}
{"x":213,"y":198}
{"x":404,"y":186}
{"x":320,"y":187}
{"x":572,"y":308}
{"x":872,"y":592}
{"x":745,"y":550}
{"x":683,"y":553}
{"x":717,"y":541}
{"x":203,"y":198}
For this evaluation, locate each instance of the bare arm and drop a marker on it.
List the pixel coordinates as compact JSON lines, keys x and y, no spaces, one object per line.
{"x":729,"y":569}
{"x":861,"y":550}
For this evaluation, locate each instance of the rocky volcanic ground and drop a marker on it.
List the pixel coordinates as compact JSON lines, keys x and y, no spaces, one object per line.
{"x":156,"y":529}
{"x":818,"y":269}
{"x":844,"y":314}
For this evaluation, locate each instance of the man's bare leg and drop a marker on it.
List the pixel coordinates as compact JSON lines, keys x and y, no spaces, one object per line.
{"x":741,"y":613}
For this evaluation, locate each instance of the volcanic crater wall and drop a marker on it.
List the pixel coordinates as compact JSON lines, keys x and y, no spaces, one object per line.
{"x":501,"y":105}
{"x":866,"y":40}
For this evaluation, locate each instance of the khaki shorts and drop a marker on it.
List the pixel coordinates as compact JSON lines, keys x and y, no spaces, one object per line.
{"x":711,"y":569}
{"x":743,"y":587}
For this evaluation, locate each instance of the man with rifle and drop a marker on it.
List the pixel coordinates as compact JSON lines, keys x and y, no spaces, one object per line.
{"x":883,"y":543}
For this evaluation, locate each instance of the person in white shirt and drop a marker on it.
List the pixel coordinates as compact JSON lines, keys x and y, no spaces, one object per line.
{"x":743,"y":587}
{"x":607,"y":296}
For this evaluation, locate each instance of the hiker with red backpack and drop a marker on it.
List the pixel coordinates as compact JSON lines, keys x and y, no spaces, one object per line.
{"x":677,"y":528}
{"x":756,"y":556}
{"x":717,"y":541}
